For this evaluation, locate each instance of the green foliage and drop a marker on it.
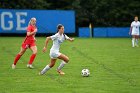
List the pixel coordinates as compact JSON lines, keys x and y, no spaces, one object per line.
{"x":97,"y":12}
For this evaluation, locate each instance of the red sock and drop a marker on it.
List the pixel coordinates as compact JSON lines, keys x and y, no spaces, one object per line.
{"x":32,"y":58}
{"x":17,"y":58}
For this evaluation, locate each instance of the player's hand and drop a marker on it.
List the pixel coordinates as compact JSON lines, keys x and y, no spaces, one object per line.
{"x":35,"y":39}
{"x":44,"y":49}
{"x":130,"y":32}
{"x":35,"y":30}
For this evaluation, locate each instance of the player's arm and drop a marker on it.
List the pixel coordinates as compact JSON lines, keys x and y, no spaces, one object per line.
{"x":70,"y":39}
{"x":131,"y":26}
{"x":29,"y":33}
{"x":130,"y":30}
{"x":46,"y":43}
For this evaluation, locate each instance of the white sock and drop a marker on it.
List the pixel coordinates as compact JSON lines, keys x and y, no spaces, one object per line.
{"x":133,"y":42}
{"x":62,"y":64}
{"x":45,"y":69}
{"x":136,"y":41}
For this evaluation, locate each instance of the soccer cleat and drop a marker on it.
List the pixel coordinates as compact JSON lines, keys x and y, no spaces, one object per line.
{"x":60,"y":72}
{"x":40,"y":73}
{"x":13,"y":66}
{"x":30,"y":66}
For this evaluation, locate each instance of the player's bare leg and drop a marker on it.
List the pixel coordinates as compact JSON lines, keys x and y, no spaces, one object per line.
{"x":65,"y":60}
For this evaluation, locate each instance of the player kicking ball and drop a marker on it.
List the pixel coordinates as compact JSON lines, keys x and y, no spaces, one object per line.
{"x":57,"y":39}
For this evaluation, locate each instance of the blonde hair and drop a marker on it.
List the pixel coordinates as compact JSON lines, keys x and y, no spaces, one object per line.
{"x":33,"y":18}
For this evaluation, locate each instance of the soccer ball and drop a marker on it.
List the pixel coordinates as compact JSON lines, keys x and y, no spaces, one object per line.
{"x":85,"y":72}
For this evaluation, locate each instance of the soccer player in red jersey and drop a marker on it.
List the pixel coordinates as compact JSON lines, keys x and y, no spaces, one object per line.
{"x":29,"y":42}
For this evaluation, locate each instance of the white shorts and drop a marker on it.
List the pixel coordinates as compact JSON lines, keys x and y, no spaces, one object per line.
{"x":135,"y":33}
{"x":55,"y":55}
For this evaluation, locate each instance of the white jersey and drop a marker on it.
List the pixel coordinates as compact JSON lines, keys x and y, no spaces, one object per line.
{"x":57,"y":40}
{"x":135,"y":27}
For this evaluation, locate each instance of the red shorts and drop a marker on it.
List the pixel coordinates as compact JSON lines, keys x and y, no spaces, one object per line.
{"x":28,"y":45}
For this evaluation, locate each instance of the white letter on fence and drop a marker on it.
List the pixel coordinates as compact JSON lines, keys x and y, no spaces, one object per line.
{"x":19,"y":21}
{"x":3,"y":14}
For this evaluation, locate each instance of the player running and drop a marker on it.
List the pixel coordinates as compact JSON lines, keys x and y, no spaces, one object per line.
{"x":29,"y":42}
{"x":57,"y":39}
{"x":134,"y":31}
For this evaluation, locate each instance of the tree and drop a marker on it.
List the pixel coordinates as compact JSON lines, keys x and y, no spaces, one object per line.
{"x":99,"y":12}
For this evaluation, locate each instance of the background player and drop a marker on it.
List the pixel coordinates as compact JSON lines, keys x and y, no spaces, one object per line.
{"x":134,"y":31}
{"x":57,"y":39}
{"x":29,"y":42}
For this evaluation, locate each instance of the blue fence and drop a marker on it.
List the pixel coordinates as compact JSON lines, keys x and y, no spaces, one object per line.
{"x":105,"y":32}
{"x":16,"y":21}
{"x":84,"y":32}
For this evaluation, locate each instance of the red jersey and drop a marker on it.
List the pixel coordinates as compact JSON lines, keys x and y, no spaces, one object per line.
{"x":31,"y":38}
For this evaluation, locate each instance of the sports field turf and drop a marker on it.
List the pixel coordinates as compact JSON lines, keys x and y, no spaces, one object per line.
{"x":114,"y":66}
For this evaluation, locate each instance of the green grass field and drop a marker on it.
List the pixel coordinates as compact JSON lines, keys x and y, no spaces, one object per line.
{"x":114,"y":66}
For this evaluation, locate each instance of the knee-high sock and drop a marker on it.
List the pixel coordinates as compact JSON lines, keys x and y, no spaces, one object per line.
{"x":133,"y":42}
{"x":136,"y":41}
{"x":17,"y":58}
{"x":45,"y":69}
{"x":62,"y":64}
{"x":32,"y":58}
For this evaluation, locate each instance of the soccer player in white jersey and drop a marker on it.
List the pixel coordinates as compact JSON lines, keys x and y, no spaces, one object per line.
{"x":134,"y":31}
{"x":57,"y":39}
